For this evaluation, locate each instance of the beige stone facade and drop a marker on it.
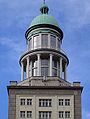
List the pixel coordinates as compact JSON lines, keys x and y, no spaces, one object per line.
{"x":35,"y":93}
{"x":55,"y":108}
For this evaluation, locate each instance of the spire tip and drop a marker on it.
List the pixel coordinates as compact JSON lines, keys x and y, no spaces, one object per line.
{"x":44,"y":1}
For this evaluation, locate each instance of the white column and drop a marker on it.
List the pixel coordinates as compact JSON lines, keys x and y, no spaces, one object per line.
{"x":27,"y":68}
{"x":38,"y":65}
{"x":30,"y":67}
{"x":22,"y":71}
{"x":61,"y":67}
{"x":51,"y":64}
{"x":65,"y":72}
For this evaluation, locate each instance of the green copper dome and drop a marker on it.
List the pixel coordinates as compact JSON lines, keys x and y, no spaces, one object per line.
{"x":44,"y":19}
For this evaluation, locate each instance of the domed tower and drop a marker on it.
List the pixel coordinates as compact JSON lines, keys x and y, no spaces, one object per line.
{"x":44,"y":92}
{"x":44,"y":57}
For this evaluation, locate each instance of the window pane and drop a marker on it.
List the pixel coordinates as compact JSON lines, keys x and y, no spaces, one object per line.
{"x":44,"y":115}
{"x":29,"y":114}
{"x":44,"y":62}
{"x":53,"y":41}
{"x":61,"y":114}
{"x":22,"y":114}
{"x":45,"y":102}
{"x":67,"y":114}
{"x":55,"y":63}
{"x":22,"y":101}
{"x":44,"y":71}
{"x":61,"y":102}
{"x":54,"y":72}
{"x":67,"y":102}
{"x":36,"y":42}
{"x":29,"y":101}
{"x":44,"y":40}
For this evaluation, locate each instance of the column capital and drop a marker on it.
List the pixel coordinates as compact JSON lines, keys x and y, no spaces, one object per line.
{"x":27,"y":57}
{"x":51,"y":55}
{"x":38,"y":54}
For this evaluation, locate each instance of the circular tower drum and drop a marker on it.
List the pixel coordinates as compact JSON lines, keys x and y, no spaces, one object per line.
{"x":44,"y":57}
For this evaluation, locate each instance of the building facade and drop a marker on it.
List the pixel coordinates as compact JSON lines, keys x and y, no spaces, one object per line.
{"x":44,"y":92}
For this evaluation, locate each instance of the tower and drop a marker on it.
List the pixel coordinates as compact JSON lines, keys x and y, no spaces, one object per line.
{"x":44,"y":92}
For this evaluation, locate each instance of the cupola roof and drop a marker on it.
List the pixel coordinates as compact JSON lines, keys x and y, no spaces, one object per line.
{"x":44,"y":18}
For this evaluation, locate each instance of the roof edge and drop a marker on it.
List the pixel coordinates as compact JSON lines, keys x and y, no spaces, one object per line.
{"x":42,"y":26}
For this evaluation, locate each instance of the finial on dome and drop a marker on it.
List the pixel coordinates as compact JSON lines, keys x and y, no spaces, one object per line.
{"x":44,"y":8}
{"x":44,"y":1}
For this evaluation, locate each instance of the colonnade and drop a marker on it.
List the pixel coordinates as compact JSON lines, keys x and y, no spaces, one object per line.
{"x":27,"y":65}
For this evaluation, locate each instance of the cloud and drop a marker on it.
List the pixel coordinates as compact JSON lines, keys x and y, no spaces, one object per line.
{"x":85,"y":114}
{"x":88,"y":115}
{"x":13,"y":45}
{"x":75,"y":13}
{"x":11,"y":50}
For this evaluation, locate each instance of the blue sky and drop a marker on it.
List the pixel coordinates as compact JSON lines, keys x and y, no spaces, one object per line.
{"x":73,"y":17}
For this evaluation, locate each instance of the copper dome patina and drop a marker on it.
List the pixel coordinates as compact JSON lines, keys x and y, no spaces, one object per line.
{"x":44,"y":18}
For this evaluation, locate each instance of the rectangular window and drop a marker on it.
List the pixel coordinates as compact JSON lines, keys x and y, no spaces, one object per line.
{"x":22,"y":114}
{"x":45,"y":102}
{"x":29,"y":101}
{"x":44,"y":62}
{"x":55,"y":63}
{"x":44,"y":40}
{"x":36,"y":42}
{"x":29,"y":114}
{"x":44,"y":71}
{"x":61,"y":114}
{"x":61,"y":102}
{"x":67,"y":114}
{"x":54,"y":72}
{"x":53,"y":41}
{"x":67,"y":102}
{"x":45,"y":115}
{"x":22,"y":101}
